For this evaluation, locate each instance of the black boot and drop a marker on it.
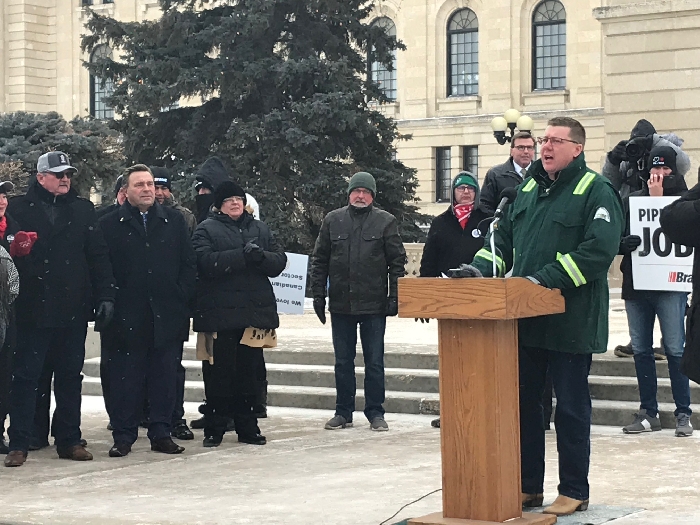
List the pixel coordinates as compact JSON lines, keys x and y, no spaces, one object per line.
{"x":216,"y":422}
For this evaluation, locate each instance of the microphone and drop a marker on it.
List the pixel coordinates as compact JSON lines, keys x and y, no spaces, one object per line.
{"x":508,"y":195}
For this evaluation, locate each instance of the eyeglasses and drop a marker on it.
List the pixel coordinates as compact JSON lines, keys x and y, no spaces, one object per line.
{"x":462,"y":189}
{"x":556,"y":141}
{"x":235,"y":198}
{"x":524,"y":148}
{"x":60,"y":175}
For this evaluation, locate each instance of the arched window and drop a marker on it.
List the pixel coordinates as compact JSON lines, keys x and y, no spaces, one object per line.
{"x":549,"y":46}
{"x":100,"y":88}
{"x":463,"y":54}
{"x":380,"y":73}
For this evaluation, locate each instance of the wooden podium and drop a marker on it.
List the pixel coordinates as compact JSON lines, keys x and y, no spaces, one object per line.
{"x":479,"y":411}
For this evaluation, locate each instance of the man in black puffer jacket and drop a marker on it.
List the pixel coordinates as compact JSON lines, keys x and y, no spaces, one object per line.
{"x":236,"y":256}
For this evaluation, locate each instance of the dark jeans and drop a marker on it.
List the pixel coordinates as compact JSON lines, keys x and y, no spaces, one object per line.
{"x":642,"y":312}
{"x":372,"y":329}
{"x":229,"y":384}
{"x":65,"y":348}
{"x":42,"y":414}
{"x":572,"y":419}
{"x":140,"y":365}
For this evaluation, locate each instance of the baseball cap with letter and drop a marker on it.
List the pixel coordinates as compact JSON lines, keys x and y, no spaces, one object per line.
{"x":54,"y":162}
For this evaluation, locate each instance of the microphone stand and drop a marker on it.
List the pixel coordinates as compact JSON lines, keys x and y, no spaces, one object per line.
{"x":492,"y":232}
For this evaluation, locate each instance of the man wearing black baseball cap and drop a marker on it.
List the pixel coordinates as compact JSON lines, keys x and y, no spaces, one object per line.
{"x":66,"y":280}
{"x":165,"y":197}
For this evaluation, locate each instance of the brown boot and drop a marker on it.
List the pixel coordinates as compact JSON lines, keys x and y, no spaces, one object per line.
{"x":76,"y":453}
{"x":532,"y":500}
{"x":15,"y":458}
{"x":564,"y":506}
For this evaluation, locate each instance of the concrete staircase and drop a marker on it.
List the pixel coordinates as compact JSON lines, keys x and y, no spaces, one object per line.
{"x":300,"y":374}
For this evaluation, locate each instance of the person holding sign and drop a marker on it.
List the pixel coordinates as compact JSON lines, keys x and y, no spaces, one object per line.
{"x":562,"y":231}
{"x":644,"y":306}
{"x":680,"y":221}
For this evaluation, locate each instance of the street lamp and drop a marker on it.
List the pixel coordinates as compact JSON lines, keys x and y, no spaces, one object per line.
{"x":510,"y":120}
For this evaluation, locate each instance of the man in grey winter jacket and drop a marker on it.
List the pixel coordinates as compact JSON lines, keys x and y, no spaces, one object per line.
{"x":360,"y":254}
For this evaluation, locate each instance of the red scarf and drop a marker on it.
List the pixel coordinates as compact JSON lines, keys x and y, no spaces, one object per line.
{"x":3,"y":227}
{"x":462,"y":212}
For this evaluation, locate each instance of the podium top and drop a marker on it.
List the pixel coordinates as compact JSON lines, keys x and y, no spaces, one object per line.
{"x":471,"y":298}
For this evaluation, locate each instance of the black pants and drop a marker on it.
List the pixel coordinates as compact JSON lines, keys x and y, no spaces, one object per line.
{"x":572,"y":418}
{"x":139,"y":364}
{"x":65,"y":350}
{"x":229,"y":383}
{"x":107,"y":348}
{"x":179,"y":410}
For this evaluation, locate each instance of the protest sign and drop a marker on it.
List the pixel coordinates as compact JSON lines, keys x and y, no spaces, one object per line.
{"x":658,"y":264}
{"x":290,"y":285}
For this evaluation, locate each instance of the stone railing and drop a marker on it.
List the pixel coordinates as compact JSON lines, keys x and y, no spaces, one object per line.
{"x":414,"y":252}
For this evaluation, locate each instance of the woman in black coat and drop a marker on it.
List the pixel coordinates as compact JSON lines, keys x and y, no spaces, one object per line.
{"x":680,"y":221}
{"x":236,"y":256}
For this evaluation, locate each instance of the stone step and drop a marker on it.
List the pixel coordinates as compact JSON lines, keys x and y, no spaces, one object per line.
{"x":605,"y":412}
{"x":306,"y":397}
{"x":419,"y":381}
{"x":399,"y":379}
{"x":419,"y":357}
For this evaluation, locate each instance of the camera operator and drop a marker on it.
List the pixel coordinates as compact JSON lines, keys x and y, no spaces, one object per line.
{"x":628,"y":162}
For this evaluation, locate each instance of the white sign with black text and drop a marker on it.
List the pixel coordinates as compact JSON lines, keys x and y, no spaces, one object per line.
{"x":658,"y":264}
{"x":290,"y":285}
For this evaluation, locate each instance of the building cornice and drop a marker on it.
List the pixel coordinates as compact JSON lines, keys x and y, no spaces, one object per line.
{"x":641,"y":9}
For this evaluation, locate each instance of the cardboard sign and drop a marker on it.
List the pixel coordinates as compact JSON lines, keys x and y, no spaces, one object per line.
{"x":290,"y":285}
{"x":658,"y":264}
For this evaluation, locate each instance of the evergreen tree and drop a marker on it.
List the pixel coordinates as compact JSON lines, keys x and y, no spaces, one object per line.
{"x":277,"y":88}
{"x":94,"y":149}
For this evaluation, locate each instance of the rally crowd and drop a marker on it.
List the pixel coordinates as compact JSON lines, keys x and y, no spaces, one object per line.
{"x":147,"y":266}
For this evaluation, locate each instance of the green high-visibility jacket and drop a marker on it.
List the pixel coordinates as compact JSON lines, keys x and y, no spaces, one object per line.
{"x":565,"y":234}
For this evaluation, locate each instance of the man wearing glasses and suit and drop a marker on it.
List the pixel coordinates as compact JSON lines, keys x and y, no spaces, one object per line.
{"x":509,"y":174}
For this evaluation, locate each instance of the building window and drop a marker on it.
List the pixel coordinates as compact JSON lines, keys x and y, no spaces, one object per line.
{"x":470,"y":160}
{"x":549,"y":46}
{"x":443,"y":174}
{"x":463,"y":54}
{"x":380,"y":73}
{"x":100,"y":88}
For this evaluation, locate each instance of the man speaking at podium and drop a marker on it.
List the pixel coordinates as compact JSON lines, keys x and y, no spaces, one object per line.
{"x":562,"y":231}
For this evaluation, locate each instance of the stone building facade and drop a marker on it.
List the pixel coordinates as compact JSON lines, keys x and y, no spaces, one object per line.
{"x":604,"y":62}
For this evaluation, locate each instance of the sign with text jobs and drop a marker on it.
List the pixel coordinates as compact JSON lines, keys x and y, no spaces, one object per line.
{"x":290,"y":285}
{"x":658,"y":264}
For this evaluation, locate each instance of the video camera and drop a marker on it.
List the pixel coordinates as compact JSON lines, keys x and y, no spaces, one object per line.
{"x":639,"y":148}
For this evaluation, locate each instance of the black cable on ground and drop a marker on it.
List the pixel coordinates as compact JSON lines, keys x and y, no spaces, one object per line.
{"x":408,"y":505}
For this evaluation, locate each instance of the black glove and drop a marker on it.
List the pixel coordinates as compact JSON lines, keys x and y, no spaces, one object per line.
{"x":629,"y":244}
{"x":253,"y":253}
{"x":320,"y":308}
{"x":464,"y":270}
{"x":392,"y":307}
{"x":103,"y":315}
{"x":618,"y":153}
{"x":422,"y":319}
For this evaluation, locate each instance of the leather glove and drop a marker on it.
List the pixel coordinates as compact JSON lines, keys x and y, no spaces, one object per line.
{"x":22,"y":244}
{"x":392,"y":307}
{"x":629,"y":244}
{"x":464,"y":270}
{"x":253,"y":253}
{"x":618,"y":153}
{"x":103,"y":315}
{"x":320,"y":308}
{"x":422,"y":319}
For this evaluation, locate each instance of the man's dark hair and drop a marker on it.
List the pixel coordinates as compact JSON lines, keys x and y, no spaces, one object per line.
{"x":576,"y":130}
{"x":133,"y":169}
{"x":522,"y":135}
